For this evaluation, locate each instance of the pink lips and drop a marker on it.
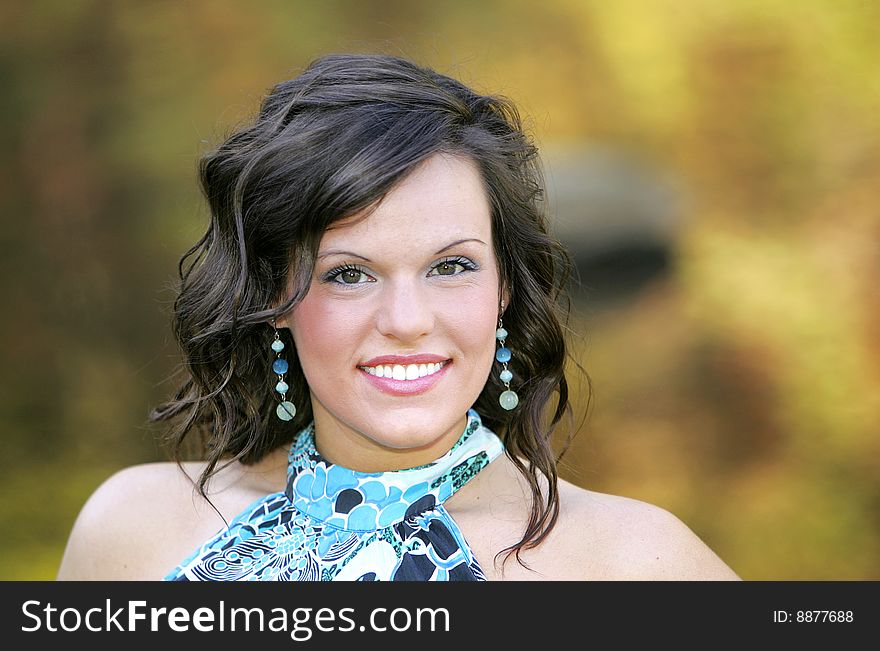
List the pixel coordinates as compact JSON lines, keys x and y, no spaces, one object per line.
{"x":406,"y":387}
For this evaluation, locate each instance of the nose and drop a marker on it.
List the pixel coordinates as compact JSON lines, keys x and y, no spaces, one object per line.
{"x":404,"y":311}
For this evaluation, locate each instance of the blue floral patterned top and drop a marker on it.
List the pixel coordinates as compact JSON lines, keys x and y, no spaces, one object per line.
{"x":335,"y":524}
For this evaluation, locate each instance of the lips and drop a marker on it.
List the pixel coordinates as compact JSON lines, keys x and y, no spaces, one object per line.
{"x":405,"y":375}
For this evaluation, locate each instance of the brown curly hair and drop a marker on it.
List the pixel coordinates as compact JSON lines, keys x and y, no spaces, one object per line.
{"x":325,"y":145}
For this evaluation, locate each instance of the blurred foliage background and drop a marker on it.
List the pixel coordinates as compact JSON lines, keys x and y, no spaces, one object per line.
{"x":713,"y":166}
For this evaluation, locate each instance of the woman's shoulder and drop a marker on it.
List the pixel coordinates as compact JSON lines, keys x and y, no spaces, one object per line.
{"x":634,"y":540}
{"x":597,"y":536}
{"x":116,"y":533}
{"x":143,"y":520}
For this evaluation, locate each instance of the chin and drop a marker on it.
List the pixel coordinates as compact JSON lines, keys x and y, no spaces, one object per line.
{"x":412,"y":429}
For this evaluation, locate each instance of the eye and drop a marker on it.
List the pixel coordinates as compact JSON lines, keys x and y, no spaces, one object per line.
{"x":452,"y":267}
{"x":350,"y":276}
{"x":347,"y":275}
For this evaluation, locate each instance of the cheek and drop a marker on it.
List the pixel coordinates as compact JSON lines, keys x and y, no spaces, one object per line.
{"x":472,"y":321}
{"x":323,"y":328}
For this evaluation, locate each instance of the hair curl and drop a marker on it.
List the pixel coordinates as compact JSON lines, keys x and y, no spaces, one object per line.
{"x":325,"y":145}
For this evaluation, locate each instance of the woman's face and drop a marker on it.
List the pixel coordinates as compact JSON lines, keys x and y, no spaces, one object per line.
{"x":408,"y":290}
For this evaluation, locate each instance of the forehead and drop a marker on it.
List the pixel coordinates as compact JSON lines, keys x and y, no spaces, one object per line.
{"x":443,"y":198}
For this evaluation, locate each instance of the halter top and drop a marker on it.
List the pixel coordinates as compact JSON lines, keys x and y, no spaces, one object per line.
{"x":335,"y":524}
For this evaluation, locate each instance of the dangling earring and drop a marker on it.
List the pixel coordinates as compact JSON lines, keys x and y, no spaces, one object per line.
{"x":285,"y":410}
{"x":508,"y":399}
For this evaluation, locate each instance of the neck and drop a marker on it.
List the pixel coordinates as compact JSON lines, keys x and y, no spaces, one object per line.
{"x":346,"y":446}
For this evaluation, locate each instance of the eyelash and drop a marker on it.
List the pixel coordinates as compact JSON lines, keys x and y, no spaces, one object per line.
{"x":333,"y":274}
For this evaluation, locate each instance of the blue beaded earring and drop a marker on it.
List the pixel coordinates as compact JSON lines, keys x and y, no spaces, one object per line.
{"x":508,"y":398}
{"x":285,"y":410}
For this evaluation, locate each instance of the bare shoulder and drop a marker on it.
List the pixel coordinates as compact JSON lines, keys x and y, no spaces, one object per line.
{"x":636,"y":540}
{"x":597,"y":536}
{"x":137,"y":523}
{"x":144,"y":520}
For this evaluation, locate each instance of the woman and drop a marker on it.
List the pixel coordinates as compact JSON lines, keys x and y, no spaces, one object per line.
{"x":372,"y":337}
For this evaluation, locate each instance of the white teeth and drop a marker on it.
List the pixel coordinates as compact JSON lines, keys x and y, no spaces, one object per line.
{"x":400,"y":372}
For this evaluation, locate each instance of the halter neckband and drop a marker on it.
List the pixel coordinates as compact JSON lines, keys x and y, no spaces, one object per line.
{"x":334,"y":523}
{"x":365,"y":501}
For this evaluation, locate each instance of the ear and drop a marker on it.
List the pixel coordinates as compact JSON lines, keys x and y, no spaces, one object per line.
{"x":282,"y":321}
{"x":505,"y":298}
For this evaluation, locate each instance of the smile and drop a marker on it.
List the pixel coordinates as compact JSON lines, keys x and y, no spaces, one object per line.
{"x":406,"y":373}
{"x":405,"y":379}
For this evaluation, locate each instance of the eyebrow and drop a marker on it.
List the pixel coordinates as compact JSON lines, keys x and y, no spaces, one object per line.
{"x":357,"y":255}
